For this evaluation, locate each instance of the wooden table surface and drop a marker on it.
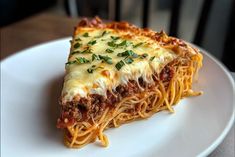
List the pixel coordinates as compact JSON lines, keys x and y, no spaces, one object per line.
{"x":34,"y":30}
{"x":45,"y":27}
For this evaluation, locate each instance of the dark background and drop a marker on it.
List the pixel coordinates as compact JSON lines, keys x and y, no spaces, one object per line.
{"x":217,"y":37}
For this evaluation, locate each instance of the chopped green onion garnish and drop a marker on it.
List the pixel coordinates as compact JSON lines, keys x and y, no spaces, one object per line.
{"x":90,"y":70}
{"x":107,"y":59}
{"x":134,"y":46}
{"x":128,"y":60}
{"x":70,"y":62}
{"x":115,"y":38}
{"x":143,"y":55}
{"x":124,"y":43}
{"x":112,"y":44}
{"x":119,"y":65}
{"x":74,"y":52}
{"x":93,"y":68}
{"x":82,"y":52}
{"x":94,"y":56}
{"x":91,"y":42}
{"x":109,"y":50}
{"x":105,"y":32}
{"x":152,"y":58}
{"x":85,"y":35}
{"x":86,"y":51}
{"x":78,"y":39}
{"x":77,"y":45}
{"x":127,"y":53}
{"x":79,"y":60}
{"x":82,"y":60}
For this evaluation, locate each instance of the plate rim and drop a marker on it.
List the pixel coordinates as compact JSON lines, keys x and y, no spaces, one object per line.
{"x":211,"y":147}
{"x":231,"y":121}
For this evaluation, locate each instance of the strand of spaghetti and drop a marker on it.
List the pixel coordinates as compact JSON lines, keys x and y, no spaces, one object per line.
{"x":119,"y":104}
{"x":115,"y":123}
{"x":67,"y":142}
{"x":160,"y":101}
{"x":148,"y":103}
{"x":158,"y":95}
{"x":80,"y":143}
{"x":144,"y":107}
{"x":71,"y":129}
{"x":86,"y":124}
{"x":87,"y":131}
{"x":179,"y":93}
{"x":172,"y":91}
{"x":152,"y":99}
{"x":161,"y":97}
{"x":75,"y":136}
{"x":141,"y":88}
{"x":138,"y":100}
{"x":121,"y":109}
{"x":102,"y":137}
{"x":103,"y":116}
{"x":165,"y":95}
{"x":93,"y":127}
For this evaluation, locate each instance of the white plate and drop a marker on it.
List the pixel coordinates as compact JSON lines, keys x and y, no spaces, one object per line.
{"x":30,"y":87}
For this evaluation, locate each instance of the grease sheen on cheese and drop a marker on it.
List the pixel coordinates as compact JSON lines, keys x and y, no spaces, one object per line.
{"x":78,"y":82}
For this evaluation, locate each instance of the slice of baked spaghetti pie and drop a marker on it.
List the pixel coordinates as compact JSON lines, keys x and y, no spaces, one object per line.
{"x":117,"y":73}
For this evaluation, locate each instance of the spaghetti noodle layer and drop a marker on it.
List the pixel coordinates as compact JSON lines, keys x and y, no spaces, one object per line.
{"x":86,"y":115}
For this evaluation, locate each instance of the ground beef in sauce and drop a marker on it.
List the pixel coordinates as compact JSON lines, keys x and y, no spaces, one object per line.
{"x":95,"y":106}
{"x":166,"y":74}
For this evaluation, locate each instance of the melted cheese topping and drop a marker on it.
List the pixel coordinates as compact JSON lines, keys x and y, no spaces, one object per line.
{"x":79,"y":82}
